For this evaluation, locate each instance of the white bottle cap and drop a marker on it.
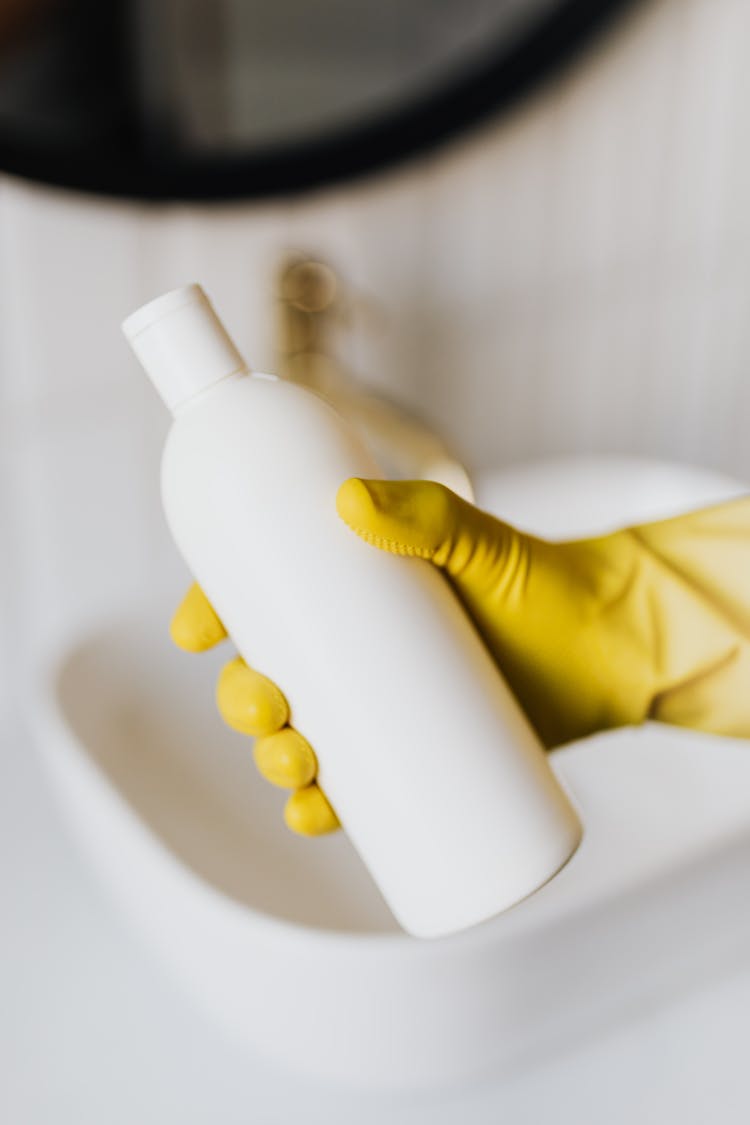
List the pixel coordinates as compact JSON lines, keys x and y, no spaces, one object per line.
{"x":182,"y":344}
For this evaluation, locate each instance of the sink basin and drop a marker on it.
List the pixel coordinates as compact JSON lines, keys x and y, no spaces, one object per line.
{"x":287,"y":944}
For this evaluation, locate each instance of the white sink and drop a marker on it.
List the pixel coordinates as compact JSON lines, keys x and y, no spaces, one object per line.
{"x":287,"y":943}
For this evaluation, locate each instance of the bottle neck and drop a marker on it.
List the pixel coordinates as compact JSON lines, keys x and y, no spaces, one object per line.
{"x":185,"y":404}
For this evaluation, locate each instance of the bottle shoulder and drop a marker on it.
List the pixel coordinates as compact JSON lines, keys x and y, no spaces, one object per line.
{"x":255,"y":400}
{"x":263,"y":419}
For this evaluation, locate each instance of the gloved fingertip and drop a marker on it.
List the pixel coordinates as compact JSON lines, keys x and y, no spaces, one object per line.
{"x":195,"y":626}
{"x":308,"y":813}
{"x":249,"y":702}
{"x":354,"y":502}
{"x":286,"y":759}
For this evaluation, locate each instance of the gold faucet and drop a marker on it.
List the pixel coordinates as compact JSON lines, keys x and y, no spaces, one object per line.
{"x":313,"y":308}
{"x":309,"y":314}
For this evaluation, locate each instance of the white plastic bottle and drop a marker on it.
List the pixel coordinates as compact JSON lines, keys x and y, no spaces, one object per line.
{"x":434,"y":772}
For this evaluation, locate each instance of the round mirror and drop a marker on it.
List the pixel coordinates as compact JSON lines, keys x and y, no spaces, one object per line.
{"x":195,"y":99}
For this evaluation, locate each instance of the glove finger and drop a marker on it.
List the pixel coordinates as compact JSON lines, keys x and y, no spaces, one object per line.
{"x":250,"y":702}
{"x":286,"y":759}
{"x":308,"y":813}
{"x":195,"y":626}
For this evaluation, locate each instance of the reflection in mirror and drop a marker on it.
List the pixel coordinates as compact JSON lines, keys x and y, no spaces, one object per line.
{"x":242,"y":74}
{"x":212,"y":98}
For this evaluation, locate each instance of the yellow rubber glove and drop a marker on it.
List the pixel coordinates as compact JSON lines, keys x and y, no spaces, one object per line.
{"x":252,"y":704}
{"x":651,"y":622}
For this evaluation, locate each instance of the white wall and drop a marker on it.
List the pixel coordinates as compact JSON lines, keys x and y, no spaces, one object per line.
{"x":574,"y":277}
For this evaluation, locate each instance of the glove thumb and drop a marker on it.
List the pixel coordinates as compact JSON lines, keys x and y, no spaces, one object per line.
{"x":426,"y":520}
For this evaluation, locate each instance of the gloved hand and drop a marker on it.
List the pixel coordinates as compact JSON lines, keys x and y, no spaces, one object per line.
{"x":651,"y":622}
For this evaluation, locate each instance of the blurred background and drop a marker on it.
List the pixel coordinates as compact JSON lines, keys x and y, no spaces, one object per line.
{"x":537,"y":212}
{"x":494,"y":231}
